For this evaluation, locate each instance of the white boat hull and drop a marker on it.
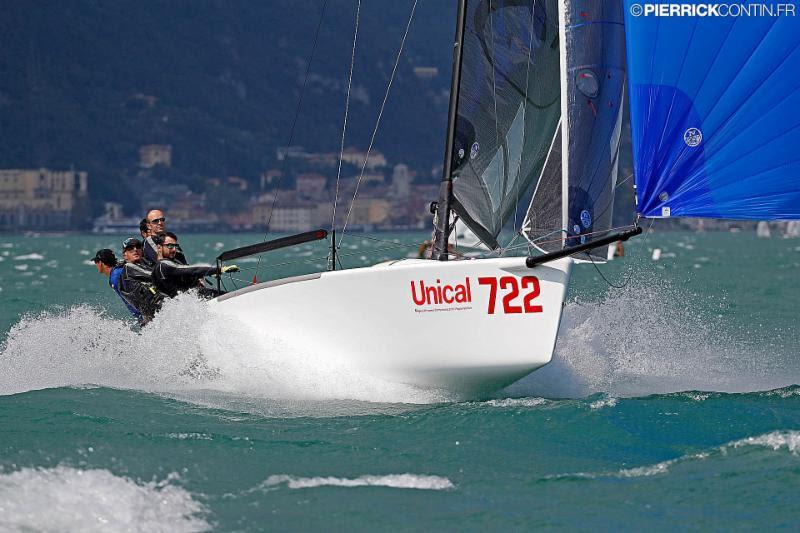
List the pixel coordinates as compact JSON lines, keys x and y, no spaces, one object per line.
{"x":425,"y":323}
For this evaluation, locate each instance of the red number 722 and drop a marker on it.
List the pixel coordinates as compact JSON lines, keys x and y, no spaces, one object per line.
{"x":511,"y":286}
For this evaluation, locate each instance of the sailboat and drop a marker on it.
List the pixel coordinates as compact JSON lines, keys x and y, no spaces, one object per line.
{"x":473,"y":326}
{"x":536,"y":105}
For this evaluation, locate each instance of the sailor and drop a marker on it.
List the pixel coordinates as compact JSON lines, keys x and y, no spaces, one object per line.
{"x":144,"y":230}
{"x":156,"y":223}
{"x":107,"y":264}
{"x":172,"y":277}
{"x":136,"y":283}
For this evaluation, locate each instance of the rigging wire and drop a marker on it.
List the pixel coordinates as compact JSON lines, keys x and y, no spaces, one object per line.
{"x":631,"y":271}
{"x":344,"y":125}
{"x":377,"y":122}
{"x":294,"y":124}
{"x":494,"y":95}
{"x":524,"y":130}
{"x":625,"y":180}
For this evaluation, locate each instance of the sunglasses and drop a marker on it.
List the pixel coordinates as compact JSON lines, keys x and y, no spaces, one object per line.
{"x":132,"y":246}
{"x":157,"y":220}
{"x":172,"y":246}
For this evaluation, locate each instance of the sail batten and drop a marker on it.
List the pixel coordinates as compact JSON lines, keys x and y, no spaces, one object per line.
{"x":714,"y":119}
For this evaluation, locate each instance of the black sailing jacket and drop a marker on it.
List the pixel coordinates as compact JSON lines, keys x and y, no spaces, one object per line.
{"x":171,"y":277}
{"x":138,"y":289}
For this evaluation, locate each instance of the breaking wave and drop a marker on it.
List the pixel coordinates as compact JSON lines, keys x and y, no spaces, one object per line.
{"x":395,"y":481}
{"x":70,"y":499}
{"x":186,"y":352}
{"x":775,"y":441}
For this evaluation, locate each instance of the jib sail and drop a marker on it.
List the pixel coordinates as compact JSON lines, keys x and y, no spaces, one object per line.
{"x":507,"y":111}
{"x":714,"y":109}
{"x":573,"y":202}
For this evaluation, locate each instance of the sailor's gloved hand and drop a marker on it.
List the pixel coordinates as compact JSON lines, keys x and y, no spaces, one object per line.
{"x":230,"y":268}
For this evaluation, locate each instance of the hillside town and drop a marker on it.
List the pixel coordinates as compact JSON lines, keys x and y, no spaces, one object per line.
{"x":298,"y":195}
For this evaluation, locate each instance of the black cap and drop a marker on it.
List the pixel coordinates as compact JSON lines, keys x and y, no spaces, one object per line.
{"x":106,"y":257}
{"x":131,"y":242}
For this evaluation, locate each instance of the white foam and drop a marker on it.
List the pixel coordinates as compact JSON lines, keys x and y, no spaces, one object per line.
{"x":696,"y":396}
{"x":69,"y":499}
{"x":22,"y":267}
{"x":775,"y":440}
{"x":604,"y":402}
{"x":185,"y":352}
{"x":395,"y":481}
{"x":517,"y":402}
{"x":189,"y":436}
{"x":29,"y":257}
{"x":645,"y":471}
{"x":648,"y":339}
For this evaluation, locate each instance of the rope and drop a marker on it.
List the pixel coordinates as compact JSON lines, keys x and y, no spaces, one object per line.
{"x":625,"y":180}
{"x":377,"y":122}
{"x":631,"y":271}
{"x":346,"y":111}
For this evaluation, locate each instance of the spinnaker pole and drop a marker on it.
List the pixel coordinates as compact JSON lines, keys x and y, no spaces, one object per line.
{"x":535,"y":260}
{"x":445,"y":205}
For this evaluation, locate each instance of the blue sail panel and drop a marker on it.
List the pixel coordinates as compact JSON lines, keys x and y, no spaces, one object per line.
{"x":715,"y":109}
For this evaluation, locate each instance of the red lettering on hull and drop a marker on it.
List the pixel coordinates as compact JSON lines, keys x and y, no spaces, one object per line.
{"x":437,"y":294}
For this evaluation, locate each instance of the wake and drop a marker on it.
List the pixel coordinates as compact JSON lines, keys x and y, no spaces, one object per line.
{"x":630,"y":343}
{"x":185,"y":352}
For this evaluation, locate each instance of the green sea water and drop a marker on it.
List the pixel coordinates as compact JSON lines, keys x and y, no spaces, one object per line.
{"x":672,"y":402}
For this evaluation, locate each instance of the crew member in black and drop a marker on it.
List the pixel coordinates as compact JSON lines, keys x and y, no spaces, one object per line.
{"x":171,"y":277}
{"x":157,"y":223}
{"x":136,"y":282}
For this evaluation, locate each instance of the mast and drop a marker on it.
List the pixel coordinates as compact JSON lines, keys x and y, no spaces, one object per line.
{"x":565,"y":125}
{"x":442,"y":231}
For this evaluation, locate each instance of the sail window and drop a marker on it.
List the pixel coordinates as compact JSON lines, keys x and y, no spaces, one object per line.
{"x":587,"y":83}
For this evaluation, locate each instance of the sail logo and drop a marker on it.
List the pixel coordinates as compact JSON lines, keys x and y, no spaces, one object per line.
{"x":693,"y":137}
{"x":438,"y":293}
{"x":678,"y":9}
{"x":586,"y":218}
{"x":473,"y":151}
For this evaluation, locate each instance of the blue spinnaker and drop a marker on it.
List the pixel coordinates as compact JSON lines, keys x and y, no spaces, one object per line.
{"x":715,"y":108}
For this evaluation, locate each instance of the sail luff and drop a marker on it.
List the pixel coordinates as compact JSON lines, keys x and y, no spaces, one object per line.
{"x":592,"y":75}
{"x":565,"y":127}
{"x":445,"y":205}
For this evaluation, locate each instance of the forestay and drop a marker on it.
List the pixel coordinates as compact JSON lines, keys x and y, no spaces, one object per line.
{"x":508,"y":108}
{"x":574,"y":197}
{"x":714,"y":109}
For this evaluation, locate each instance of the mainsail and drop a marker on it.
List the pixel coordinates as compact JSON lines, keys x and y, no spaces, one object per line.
{"x":574,"y":197}
{"x":507,"y":111}
{"x":714,"y":109}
